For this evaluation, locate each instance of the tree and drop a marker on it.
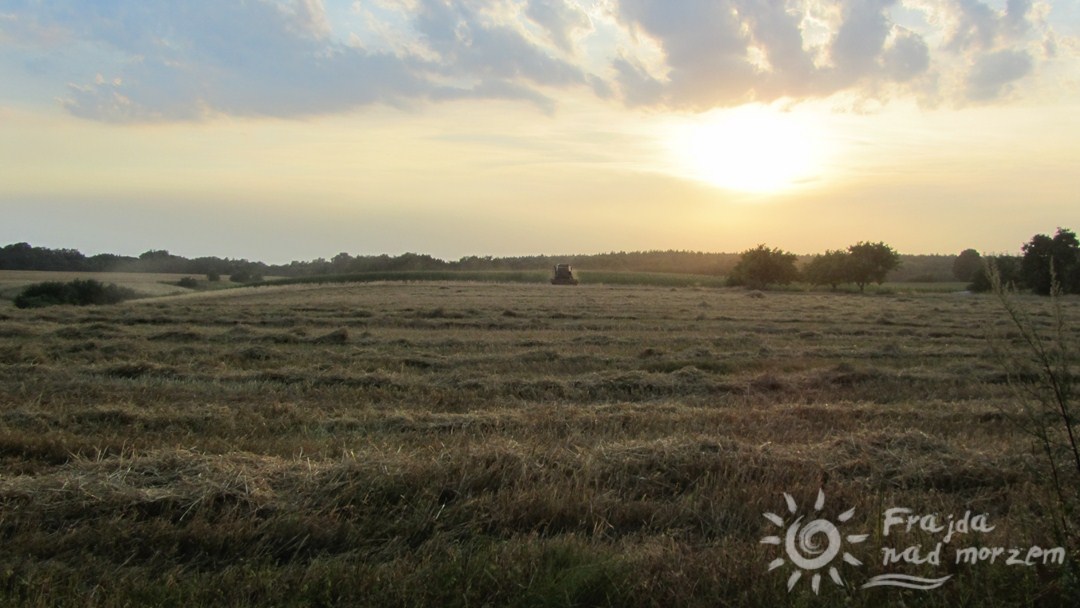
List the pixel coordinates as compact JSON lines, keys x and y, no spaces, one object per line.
{"x":830,"y":268}
{"x":870,"y":263}
{"x":966,"y":265}
{"x":341,"y":262}
{"x":760,"y":267}
{"x":1046,"y":258}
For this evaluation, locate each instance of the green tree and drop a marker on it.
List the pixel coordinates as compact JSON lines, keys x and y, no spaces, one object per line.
{"x":761,"y":266}
{"x":1045,"y":257}
{"x":966,"y":265}
{"x":871,"y":263}
{"x":830,"y":268}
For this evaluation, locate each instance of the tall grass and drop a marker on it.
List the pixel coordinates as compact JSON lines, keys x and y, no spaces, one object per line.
{"x":1039,"y":362}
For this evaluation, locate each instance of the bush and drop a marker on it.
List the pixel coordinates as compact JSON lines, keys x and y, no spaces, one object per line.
{"x":213,"y":277}
{"x":1006,"y":268}
{"x":188,"y":282}
{"x":80,"y":292}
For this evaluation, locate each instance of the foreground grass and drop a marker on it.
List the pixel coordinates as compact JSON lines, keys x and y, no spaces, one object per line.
{"x":468,"y":444}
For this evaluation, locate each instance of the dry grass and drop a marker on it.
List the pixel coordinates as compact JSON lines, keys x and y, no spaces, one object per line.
{"x":468,"y":444}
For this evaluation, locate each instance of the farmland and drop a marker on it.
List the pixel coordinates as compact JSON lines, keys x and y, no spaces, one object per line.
{"x":452,"y":443}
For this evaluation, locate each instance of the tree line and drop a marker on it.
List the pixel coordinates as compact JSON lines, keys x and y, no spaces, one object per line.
{"x":22,"y":256}
{"x":859,"y":264}
{"x":1046,"y":263}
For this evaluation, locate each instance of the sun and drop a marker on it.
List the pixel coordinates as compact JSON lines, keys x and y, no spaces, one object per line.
{"x":803,"y":546}
{"x":752,"y":148}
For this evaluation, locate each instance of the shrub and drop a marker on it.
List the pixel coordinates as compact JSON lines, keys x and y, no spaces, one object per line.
{"x":188,"y":282}
{"x":245,"y":276}
{"x":1005,"y":267}
{"x":79,"y":292}
{"x":213,"y":277}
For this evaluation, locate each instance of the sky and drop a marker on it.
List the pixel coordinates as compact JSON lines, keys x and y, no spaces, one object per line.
{"x":281,"y":130}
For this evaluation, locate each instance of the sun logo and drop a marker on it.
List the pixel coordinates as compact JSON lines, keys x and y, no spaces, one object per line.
{"x":813,"y":545}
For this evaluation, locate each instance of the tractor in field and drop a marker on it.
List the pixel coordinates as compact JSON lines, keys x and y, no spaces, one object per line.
{"x":564,"y":275}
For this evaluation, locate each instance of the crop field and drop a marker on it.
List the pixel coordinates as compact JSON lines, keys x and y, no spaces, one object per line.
{"x":478,"y":444}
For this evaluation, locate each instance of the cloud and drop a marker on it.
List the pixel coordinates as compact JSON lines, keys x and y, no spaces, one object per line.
{"x":638,"y":87}
{"x":164,"y":60}
{"x":559,"y":19}
{"x":993,"y":74}
{"x":181,"y":61}
{"x":861,"y":39}
{"x":777,"y":31}
{"x":907,"y":57}
{"x":187,"y":60}
{"x":977,"y":25}
{"x":704,"y":46}
{"x":722,"y":52}
{"x":471,"y":46}
{"x":996,"y":45}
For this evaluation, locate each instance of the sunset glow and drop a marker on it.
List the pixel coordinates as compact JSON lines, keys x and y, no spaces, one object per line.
{"x":750,"y":149}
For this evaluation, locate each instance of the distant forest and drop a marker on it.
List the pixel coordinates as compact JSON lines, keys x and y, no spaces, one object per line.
{"x":23,"y":256}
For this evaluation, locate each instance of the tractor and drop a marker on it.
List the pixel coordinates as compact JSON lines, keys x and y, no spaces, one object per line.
{"x":564,"y":275}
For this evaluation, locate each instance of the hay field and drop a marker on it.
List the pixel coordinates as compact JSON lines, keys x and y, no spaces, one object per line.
{"x":453,"y":444}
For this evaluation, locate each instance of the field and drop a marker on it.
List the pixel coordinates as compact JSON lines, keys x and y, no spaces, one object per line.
{"x":144,"y":283}
{"x":470,"y":444}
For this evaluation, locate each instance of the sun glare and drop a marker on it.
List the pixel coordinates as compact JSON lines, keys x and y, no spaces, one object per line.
{"x":753,"y":148}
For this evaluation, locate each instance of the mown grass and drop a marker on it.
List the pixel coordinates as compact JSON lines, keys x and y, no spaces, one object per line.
{"x":391,"y":444}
